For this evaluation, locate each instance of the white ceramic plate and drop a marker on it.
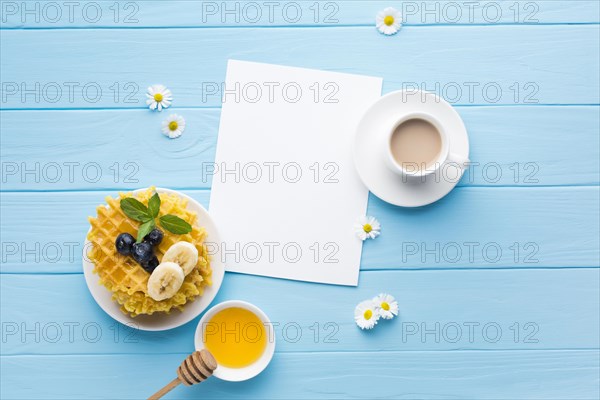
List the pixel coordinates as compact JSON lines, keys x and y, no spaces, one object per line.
{"x":162,"y":321}
{"x":370,"y":144}
{"x":239,"y":374}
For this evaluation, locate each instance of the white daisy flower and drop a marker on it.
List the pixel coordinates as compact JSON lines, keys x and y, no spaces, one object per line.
{"x":386,"y":306}
{"x":388,"y":21}
{"x":366,"y":315}
{"x":159,"y":97}
{"x":173,"y":126}
{"x":367,"y":227}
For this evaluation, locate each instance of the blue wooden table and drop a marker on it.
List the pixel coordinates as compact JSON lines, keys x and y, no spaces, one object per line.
{"x":498,"y":283}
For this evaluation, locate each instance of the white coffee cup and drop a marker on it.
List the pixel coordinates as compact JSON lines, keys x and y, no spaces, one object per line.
{"x":421,"y":170}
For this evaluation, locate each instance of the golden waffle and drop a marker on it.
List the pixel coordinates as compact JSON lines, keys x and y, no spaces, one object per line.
{"x":123,"y":276}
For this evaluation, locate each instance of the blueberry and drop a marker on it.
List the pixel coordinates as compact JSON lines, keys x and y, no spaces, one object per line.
{"x":150,"y":265}
{"x":154,"y":237}
{"x":123,"y":243}
{"x":142,"y":252}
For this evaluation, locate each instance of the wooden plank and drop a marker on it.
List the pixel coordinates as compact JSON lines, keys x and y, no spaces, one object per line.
{"x":183,"y":13}
{"x":115,"y":149}
{"x":476,"y":227}
{"x":463,"y":374}
{"x":492,"y":65}
{"x":524,"y":228}
{"x":144,"y":14}
{"x":121,"y":148}
{"x":439,"y":310}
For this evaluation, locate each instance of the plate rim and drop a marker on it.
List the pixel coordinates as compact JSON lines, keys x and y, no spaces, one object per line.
{"x":115,"y":313}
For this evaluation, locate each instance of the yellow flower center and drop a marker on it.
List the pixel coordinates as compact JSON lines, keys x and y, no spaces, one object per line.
{"x":367,"y":228}
{"x":158,"y":97}
{"x":173,"y":125}
{"x":385,"y":306}
{"x":368,"y":314}
{"x":388,"y":20}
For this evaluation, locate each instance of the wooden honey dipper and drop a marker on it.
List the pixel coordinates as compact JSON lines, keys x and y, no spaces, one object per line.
{"x":196,"y":368}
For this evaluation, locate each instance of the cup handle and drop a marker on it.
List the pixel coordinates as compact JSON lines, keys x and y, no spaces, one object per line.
{"x":462,"y":162}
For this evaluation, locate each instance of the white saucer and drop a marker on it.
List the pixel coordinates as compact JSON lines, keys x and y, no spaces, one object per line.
{"x":370,"y":144}
{"x":162,"y":321}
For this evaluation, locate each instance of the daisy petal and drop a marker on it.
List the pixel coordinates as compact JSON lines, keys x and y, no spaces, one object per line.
{"x":386,"y":305}
{"x":388,"y":21}
{"x":366,"y":314}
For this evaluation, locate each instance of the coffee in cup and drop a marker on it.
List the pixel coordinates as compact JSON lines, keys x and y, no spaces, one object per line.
{"x":416,"y":142}
{"x":418,"y":145}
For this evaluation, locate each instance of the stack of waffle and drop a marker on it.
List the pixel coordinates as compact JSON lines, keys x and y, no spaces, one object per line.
{"x":123,"y":276}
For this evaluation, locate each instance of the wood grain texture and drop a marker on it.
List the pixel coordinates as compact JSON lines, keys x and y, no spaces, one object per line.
{"x":301,"y":13}
{"x":545,"y":119}
{"x":568,"y":374}
{"x":524,"y":228}
{"x":542,"y":222}
{"x":493,"y":65}
{"x":521,"y":309}
{"x":125,"y":149}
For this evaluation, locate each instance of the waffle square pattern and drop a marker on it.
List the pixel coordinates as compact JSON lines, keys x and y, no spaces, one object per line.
{"x":123,"y":276}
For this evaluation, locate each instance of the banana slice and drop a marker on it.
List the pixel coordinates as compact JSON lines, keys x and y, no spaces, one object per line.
{"x":183,"y":253}
{"x":165,"y":281}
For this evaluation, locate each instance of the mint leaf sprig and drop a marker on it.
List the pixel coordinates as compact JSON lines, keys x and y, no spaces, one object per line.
{"x":137,"y":211}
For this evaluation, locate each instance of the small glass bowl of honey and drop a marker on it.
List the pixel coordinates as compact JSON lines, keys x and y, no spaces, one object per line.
{"x":241,"y":338}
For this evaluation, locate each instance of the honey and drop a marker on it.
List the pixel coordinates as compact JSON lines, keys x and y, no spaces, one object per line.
{"x":235,"y":336}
